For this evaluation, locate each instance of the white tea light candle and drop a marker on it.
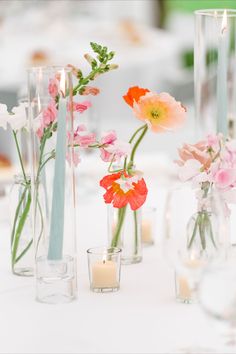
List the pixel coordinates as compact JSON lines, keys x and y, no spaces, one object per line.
{"x":104,"y":274}
{"x":104,"y":268}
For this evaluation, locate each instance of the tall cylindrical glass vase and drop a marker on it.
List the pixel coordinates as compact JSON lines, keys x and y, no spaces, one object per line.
{"x":53,"y":183}
{"x":215,"y":71}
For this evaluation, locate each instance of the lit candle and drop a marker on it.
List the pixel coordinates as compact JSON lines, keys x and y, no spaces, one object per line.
{"x":58,"y":199}
{"x":184,"y":290}
{"x":146,"y":229}
{"x":104,"y":274}
{"x":222,"y":118}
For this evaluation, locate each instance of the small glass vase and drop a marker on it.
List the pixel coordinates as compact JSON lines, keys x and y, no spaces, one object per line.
{"x":194,"y":234}
{"x":22,"y":253}
{"x":124,"y":231}
{"x":54,"y":199}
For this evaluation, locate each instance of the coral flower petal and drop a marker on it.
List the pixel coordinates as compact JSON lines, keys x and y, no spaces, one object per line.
{"x":135,"y":195}
{"x":133,"y":95}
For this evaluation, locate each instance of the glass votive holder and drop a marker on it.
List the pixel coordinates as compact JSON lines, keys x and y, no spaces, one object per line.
{"x":187,"y":276}
{"x":104,"y":269}
{"x":148,"y":226}
{"x":56,"y":280}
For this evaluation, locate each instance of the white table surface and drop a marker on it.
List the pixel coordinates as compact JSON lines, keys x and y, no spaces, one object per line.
{"x":143,"y":317}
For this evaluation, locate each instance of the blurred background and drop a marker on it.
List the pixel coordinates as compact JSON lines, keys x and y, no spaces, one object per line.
{"x":153,"y":40}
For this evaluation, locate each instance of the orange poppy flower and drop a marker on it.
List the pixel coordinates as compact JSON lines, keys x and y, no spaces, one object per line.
{"x":133,"y":95}
{"x":122,"y":189}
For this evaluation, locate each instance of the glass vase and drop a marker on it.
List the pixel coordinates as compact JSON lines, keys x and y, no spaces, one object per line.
{"x":194,"y":234}
{"x":124,"y":231}
{"x":215,"y":71}
{"x":53,"y":160}
{"x":22,"y":253}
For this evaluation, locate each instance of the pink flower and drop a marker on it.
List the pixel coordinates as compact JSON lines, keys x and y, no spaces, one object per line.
{"x":195,"y":152}
{"x":213,"y":141}
{"x":225,"y":178}
{"x":40,"y":132}
{"x":53,"y":87}
{"x":189,"y":170}
{"x":79,"y":107}
{"x":73,"y":156}
{"x":108,"y":137}
{"x":83,"y":138}
{"x":89,"y":90}
{"x":160,"y":111}
{"x":114,"y":152}
{"x":49,"y":114}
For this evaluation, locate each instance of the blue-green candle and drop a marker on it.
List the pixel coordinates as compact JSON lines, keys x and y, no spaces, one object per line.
{"x":58,"y":198}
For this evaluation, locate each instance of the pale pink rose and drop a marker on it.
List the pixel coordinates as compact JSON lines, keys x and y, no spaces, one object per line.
{"x":108,"y":137}
{"x":89,"y":90}
{"x":49,"y":114}
{"x":225,"y":178}
{"x":73,"y":156}
{"x":53,"y":87}
{"x":194,"y":152}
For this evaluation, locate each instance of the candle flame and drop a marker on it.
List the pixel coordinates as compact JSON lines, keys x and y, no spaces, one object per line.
{"x":63,"y":82}
{"x":104,"y":258}
{"x":224,"y":22}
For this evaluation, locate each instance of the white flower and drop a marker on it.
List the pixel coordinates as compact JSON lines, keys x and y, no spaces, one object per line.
{"x":190,"y":169}
{"x":4,"y":115}
{"x":18,"y":119}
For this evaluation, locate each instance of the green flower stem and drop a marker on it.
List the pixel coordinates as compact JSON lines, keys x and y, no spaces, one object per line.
{"x":135,"y":233}
{"x":19,"y":155}
{"x":121,"y":218}
{"x":136,"y":145}
{"x":19,"y":228}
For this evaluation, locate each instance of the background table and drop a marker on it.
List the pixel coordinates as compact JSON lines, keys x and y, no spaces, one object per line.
{"x":143,"y":317}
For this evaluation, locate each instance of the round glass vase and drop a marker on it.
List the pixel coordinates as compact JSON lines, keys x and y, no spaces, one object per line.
{"x":124,"y":231}
{"x":22,"y":253}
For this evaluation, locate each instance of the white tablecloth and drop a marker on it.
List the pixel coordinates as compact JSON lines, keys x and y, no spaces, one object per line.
{"x":143,"y":317}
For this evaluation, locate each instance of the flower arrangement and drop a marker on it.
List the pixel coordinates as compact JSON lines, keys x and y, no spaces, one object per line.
{"x":126,"y":186}
{"x":45,"y":125}
{"x":210,"y":164}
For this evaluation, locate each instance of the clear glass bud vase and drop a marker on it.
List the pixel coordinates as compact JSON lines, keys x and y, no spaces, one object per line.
{"x":124,"y":231}
{"x":52,"y":127}
{"x":22,"y":253}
